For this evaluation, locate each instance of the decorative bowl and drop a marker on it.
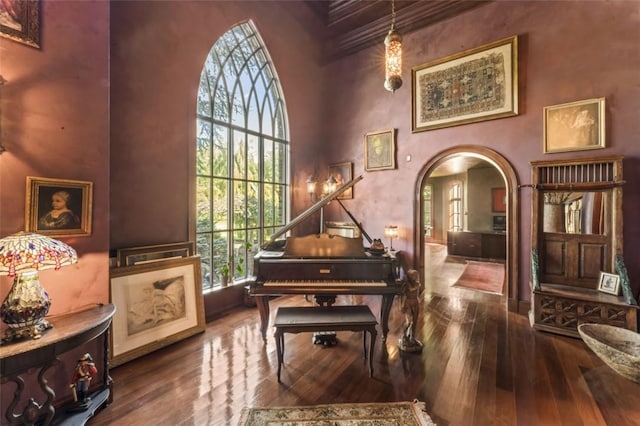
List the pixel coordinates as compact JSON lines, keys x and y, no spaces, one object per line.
{"x":618,"y":347}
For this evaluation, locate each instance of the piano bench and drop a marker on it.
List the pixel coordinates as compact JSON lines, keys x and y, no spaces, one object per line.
{"x":325,"y":318}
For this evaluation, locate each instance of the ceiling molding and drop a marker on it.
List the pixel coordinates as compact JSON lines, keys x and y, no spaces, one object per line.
{"x":353,"y":25}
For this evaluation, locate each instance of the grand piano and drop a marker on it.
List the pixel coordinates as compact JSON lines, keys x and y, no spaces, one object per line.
{"x":323,"y":265}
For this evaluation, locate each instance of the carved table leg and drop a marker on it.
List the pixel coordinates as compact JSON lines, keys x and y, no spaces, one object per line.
{"x":33,"y":411}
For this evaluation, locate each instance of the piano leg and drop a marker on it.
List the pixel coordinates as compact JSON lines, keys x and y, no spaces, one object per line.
{"x":262,"y":302}
{"x":385,"y":309}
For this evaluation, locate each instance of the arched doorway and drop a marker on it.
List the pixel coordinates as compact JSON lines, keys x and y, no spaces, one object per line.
{"x":511,"y":183}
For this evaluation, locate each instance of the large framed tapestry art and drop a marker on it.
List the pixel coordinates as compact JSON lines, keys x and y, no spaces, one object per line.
{"x":475,"y":85}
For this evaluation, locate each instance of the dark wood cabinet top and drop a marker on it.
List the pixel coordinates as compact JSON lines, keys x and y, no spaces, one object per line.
{"x":68,"y":332}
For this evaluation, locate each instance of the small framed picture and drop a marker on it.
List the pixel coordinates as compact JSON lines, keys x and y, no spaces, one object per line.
{"x":609,"y":283}
{"x":342,"y":173}
{"x":380,"y":150}
{"x":58,"y":207}
{"x":574,"y":126}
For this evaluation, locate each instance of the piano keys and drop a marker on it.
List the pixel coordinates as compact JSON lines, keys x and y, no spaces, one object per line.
{"x":322,"y":265}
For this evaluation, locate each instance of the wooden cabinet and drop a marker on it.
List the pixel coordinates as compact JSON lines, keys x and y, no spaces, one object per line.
{"x":479,"y":245}
{"x":68,"y":332}
{"x":576,"y":234}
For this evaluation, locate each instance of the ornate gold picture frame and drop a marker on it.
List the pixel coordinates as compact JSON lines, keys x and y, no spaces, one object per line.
{"x":59,"y":207}
{"x":380,"y":150}
{"x":20,"y":21}
{"x":574,"y":126}
{"x":475,"y":85}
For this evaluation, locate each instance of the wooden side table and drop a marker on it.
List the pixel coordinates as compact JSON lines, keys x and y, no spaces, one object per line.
{"x":325,"y":318}
{"x":69,"y":331}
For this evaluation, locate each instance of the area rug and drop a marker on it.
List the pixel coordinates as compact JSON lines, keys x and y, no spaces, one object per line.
{"x":378,"y":414}
{"x":482,"y":276}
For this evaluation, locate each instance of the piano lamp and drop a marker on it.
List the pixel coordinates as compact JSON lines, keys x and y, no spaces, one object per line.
{"x":391,"y":231}
{"x":22,"y":255}
{"x":393,"y":55}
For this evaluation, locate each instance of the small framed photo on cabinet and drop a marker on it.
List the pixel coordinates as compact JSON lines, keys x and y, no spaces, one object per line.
{"x":609,"y":283}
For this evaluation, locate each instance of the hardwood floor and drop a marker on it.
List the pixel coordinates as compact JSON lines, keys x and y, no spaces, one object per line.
{"x":480,"y":366}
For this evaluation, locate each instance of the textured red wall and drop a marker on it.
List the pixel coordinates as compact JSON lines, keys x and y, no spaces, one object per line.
{"x":158,"y":52}
{"x":569,"y":51}
{"x":55,"y":124}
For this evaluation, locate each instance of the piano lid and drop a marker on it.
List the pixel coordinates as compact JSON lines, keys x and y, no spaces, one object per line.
{"x":311,"y":210}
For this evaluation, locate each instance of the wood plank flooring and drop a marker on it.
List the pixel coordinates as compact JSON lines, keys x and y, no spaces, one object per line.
{"x":480,"y":366}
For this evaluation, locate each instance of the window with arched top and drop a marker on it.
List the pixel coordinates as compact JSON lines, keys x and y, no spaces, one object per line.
{"x":242,"y":156}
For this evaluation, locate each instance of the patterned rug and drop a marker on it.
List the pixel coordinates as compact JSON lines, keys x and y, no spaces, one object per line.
{"x":378,"y":414}
{"x":482,"y":276}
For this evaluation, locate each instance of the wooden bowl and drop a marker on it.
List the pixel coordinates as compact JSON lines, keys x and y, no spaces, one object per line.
{"x":618,"y":347}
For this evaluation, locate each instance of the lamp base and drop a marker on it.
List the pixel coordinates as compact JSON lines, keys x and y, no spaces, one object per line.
{"x":34,"y":331}
{"x":24,"y":308}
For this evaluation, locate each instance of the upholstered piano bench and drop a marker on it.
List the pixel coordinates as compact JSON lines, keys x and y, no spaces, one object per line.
{"x":325,"y":318}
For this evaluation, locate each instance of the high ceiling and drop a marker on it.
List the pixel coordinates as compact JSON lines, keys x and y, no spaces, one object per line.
{"x":352,"y":25}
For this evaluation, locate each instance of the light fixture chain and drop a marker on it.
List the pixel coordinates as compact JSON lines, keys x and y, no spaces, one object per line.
{"x":393,"y":14}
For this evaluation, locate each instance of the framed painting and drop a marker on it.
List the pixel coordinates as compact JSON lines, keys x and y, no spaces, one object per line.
{"x":609,"y":283}
{"x":379,"y":150}
{"x":342,"y":173}
{"x":20,"y":21}
{"x":498,"y":200}
{"x":157,"y":304}
{"x":145,"y":254}
{"x":58,"y":207}
{"x":475,"y":85}
{"x":574,"y":126}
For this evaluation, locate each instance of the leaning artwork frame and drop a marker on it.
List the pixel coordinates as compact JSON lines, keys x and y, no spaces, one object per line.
{"x":20,"y":21}
{"x":59,"y":207}
{"x":144,"y":254}
{"x":157,"y":304}
{"x":574,"y":126}
{"x":475,"y":85}
{"x":380,"y":150}
{"x":342,"y":173}
{"x":609,"y":283}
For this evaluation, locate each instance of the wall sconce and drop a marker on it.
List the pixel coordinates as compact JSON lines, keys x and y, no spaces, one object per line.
{"x":329,"y":186}
{"x":391,"y":231}
{"x":311,"y":186}
{"x":393,"y":55}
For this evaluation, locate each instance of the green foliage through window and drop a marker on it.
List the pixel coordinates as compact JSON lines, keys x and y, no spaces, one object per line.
{"x":242,"y":155}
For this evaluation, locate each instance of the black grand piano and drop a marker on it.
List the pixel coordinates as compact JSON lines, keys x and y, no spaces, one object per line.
{"x":323,"y":265}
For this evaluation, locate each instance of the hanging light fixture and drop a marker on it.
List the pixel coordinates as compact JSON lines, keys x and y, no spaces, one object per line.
{"x":393,"y":55}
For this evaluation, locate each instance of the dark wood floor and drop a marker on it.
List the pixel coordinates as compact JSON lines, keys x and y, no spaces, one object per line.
{"x":480,"y":366}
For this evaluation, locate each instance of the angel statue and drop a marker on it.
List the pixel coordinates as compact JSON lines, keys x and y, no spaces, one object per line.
{"x":412,"y":292}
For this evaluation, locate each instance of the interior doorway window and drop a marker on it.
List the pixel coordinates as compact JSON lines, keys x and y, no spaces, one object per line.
{"x":455,"y":206}
{"x":427,"y":207}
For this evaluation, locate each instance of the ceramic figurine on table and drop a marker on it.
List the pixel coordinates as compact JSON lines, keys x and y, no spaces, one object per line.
{"x":82,"y":375}
{"x":411,"y":293}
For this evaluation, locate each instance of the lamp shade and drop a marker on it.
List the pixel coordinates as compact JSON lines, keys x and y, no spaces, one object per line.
{"x":28,"y":251}
{"x":22,"y":255}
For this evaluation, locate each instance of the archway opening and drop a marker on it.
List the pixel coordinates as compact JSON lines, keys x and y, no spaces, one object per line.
{"x":466,"y":156}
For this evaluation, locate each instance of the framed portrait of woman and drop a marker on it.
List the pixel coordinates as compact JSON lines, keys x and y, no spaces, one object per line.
{"x":58,"y":207}
{"x":379,"y":150}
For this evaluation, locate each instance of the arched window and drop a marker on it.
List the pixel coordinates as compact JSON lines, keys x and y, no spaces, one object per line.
{"x":242,"y":155}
